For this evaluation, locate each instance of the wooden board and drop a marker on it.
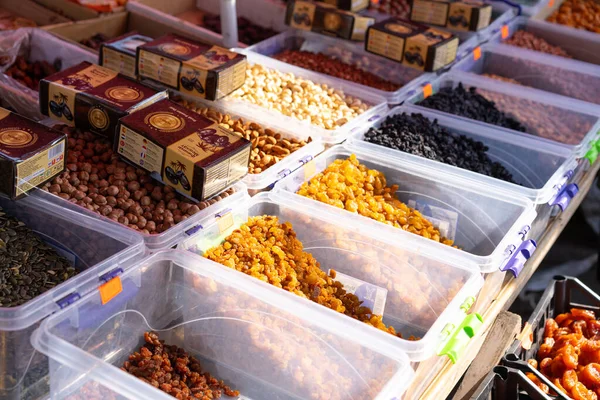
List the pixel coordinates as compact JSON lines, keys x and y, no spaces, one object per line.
{"x":450,"y":374}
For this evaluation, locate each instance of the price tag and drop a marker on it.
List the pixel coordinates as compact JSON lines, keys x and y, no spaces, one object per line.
{"x":550,"y":3}
{"x":504,"y":31}
{"x":225,"y":222}
{"x":427,"y":90}
{"x":309,"y":169}
{"x":110,"y":289}
{"x":477,"y":53}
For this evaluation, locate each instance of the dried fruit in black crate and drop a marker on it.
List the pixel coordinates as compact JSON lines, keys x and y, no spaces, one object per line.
{"x":416,"y":134}
{"x":470,"y":104}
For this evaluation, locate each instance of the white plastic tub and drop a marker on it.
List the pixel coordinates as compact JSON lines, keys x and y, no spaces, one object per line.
{"x":164,"y":240}
{"x":349,"y":53}
{"x":96,"y":249}
{"x":579,"y":124}
{"x":242,"y":331}
{"x":582,"y":45}
{"x":543,"y":171}
{"x":560,"y":76}
{"x":425,"y":290}
{"x":264,"y":116}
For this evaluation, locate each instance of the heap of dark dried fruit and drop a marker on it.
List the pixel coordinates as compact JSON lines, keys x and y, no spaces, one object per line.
{"x":30,"y":73}
{"x":172,"y":370}
{"x":95,"y":41}
{"x":470,"y":104}
{"x":29,"y":266}
{"x":415,"y":134}
{"x":248,"y":32}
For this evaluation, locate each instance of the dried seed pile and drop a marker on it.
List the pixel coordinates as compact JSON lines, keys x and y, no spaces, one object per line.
{"x":268,"y":250}
{"x":98,"y":180}
{"x":528,"y":40}
{"x":298,"y":98}
{"x":172,"y":370}
{"x":325,"y":64}
{"x":29,"y":266}
{"x":352,"y":186}
{"x":470,"y":104}
{"x":268,"y":147}
{"x":415,"y":134}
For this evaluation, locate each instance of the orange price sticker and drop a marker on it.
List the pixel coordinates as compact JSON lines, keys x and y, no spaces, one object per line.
{"x":504,"y":31}
{"x":477,"y":53}
{"x":110,"y":289}
{"x":427,"y":90}
{"x":550,"y":3}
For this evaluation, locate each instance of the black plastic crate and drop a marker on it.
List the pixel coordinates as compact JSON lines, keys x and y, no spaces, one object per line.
{"x":561,"y":295}
{"x":505,"y":383}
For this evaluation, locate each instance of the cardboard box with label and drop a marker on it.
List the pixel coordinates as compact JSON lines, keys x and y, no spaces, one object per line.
{"x":194,"y":155}
{"x":193,"y":68}
{"x":93,"y":98}
{"x":31,"y":154}
{"x":414,"y":45}
{"x":120,"y":54}
{"x":458,"y":15}
{"x":326,"y":19}
{"x":348,"y":5}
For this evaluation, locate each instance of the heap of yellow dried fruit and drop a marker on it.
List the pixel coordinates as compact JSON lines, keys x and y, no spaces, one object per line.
{"x":267,"y":250}
{"x":352,"y":186}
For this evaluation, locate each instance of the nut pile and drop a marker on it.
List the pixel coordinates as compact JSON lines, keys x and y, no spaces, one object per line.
{"x":325,"y":64}
{"x":298,"y":98}
{"x":528,"y":40}
{"x":248,"y":32}
{"x":30,"y":74}
{"x":352,"y":186}
{"x":98,"y":180}
{"x":471,"y":104}
{"x":268,"y":147}
{"x":172,"y":370}
{"x":29,"y":266}
{"x":580,"y":14}
{"x":95,"y":41}
{"x":569,"y":355}
{"x":396,"y":8}
{"x":268,"y":250}
{"x":416,"y":134}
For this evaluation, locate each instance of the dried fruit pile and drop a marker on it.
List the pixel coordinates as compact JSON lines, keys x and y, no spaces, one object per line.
{"x":416,"y":134}
{"x":248,"y":32}
{"x":570,"y":355}
{"x":325,"y":64}
{"x":172,"y":370}
{"x":352,"y":186}
{"x":528,"y":40}
{"x":30,"y":73}
{"x":269,"y":250}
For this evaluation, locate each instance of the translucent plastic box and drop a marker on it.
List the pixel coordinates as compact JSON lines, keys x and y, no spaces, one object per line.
{"x":263,"y":115}
{"x":541,"y":71}
{"x":267,"y":178}
{"x":543,"y":171}
{"x":266,"y":345}
{"x":547,"y":117}
{"x":164,"y":240}
{"x":349,"y":53}
{"x":582,"y":45}
{"x":95,"y":248}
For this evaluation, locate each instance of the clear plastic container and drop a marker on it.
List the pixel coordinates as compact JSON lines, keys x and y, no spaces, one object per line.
{"x":543,"y":170}
{"x":483,"y":222}
{"x":262,"y":115}
{"x":550,"y":118}
{"x":418,"y":302}
{"x":254,"y":11}
{"x":349,"y":53}
{"x":266,"y":345}
{"x":267,"y":178}
{"x":541,"y":71}
{"x":164,"y":240}
{"x":581,"y":45}
{"x":94,"y":247}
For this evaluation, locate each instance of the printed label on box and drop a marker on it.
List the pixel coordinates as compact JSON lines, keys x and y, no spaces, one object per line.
{"x":443,"y":219}
{"x":139,"y":150}
{"x":372,"y":296}
{"x":40,"y":168}
{"x":122,"y":63}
